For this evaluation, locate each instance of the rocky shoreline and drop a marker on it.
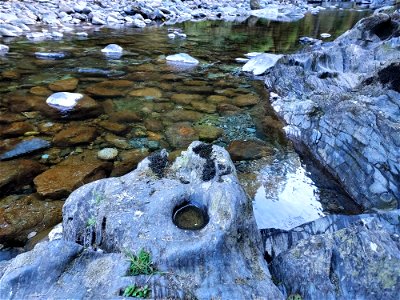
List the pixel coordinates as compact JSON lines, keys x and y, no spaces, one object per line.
{"x":19,"y":18}
{"x":340,"y":100}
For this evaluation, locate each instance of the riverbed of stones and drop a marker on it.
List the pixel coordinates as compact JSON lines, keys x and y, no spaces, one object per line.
{"x":18,"y":18}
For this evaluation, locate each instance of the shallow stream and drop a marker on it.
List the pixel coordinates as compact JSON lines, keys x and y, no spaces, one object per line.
{"x":175,"y":105}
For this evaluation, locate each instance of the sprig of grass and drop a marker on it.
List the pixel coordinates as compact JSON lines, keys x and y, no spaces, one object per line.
{"x":140,"y":263}
{"x":136,"y":291}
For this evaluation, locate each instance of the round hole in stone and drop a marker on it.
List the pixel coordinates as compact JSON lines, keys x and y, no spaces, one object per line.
{"x":190,"y":216}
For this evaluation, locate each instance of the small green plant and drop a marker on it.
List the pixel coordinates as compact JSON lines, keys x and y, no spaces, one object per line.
{"x":140,"y":263}
{"x":91,"y":222}
{"x":294,"y":297}
{"x":98,"y":197}
{"x":136,"y":291}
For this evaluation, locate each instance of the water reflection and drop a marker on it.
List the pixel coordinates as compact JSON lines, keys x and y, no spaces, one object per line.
{"x":287,"y":196}
{"x":139,"y":104}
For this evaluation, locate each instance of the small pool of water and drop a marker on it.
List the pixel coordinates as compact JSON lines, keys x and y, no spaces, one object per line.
{"x":147,"y":104}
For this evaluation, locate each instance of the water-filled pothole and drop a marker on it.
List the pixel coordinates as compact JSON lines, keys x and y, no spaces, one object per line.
{"x":190,"y":216}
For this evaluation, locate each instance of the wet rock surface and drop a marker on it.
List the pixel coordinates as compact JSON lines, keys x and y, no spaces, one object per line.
{"x":342,"y":101}
{"x":16,"y":228}
{"x":134,"y":212}
{"x":61,"y":180}
{"x":338,"y":257}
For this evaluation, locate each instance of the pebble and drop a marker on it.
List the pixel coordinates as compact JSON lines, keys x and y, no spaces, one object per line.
{"x":107,"y":153}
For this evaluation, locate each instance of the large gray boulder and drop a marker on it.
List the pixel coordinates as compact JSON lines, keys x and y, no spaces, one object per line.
{"x":104,"y":220}
{"x":338,"y":257}
{"x":341,"y":100}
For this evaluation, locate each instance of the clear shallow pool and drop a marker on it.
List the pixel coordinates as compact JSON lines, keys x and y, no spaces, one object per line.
{"x":166,"y":107}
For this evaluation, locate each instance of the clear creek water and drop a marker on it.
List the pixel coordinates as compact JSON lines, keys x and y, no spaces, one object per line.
{"x":285,"y":190}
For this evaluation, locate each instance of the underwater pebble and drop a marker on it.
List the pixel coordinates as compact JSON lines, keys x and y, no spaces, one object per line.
{"x":107,"y":153}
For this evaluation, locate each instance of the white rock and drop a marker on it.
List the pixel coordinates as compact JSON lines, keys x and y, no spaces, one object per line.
{"x":82,"y":34}
{"x":57,"y":34}
{"x":63,"y":100}
{"x":138,"y":23}
{"x":261,"y":63}
{"x":171,"y":35}
{"x":182,"y":58}
{"x":325,"y":35}
{"x":107,"y":153}
{"x":56,"y":233}
{"x":180,"y":34}
{"x":252,"y":54}
{"x":31,"y":235}
{"x":112,"y":48}
{"x":242,"y":60}
{"x":4,"y":49}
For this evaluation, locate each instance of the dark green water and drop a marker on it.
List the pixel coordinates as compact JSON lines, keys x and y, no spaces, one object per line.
{"x":285,"y":192}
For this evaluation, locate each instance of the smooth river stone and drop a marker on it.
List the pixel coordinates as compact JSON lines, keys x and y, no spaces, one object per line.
{"x":17,"y":173}
{"x":107,"y":153}
{"x":75,"y":135}
{"x":110,"y":88}
{"x":261,"y":63}
{"x":64,"y":85}
{"x":248,"y":150}
{"x":50,"y":55}
{"x":20,"y":216}
{"x":63,"y":101}
{"x":25,"y":147}
{"x":182,"y":58}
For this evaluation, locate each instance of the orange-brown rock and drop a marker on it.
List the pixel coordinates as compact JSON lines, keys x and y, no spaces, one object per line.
{"x":16,"y":129}
{"x":180,"y":135}
{"x":245,"y":100}
{"x":129,"y":161}
{"x":40,"y":91}
{"x":179,"y":115}
{"x":64,"y":85}
{"x":21,"y":215}
{"x":226,"y":109}
{"x":11,"y":74}
{"x":110,"y":88}
{"x":75,"y":135}
{"x":208,"y":133}
{"x":7,"y":118}
{"x":217,"y":99}
{"x":153,"y":125}
{"x":203,"y":106}
{"x":248,"y":150}
{"x":17,"y":173}
{"x":117,"y":141}
{"x":70,"y":174}
{"x":185,"y":98}
{"x":147,"y":92}
{"x":114,"y":127}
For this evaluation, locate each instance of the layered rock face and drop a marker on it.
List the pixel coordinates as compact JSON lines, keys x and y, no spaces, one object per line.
{"x":341,"y":100}
{"x":108,"y":218}
{"x":338,"y":257}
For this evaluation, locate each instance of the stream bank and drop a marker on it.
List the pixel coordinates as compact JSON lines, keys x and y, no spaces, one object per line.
{"x":257,"y":274}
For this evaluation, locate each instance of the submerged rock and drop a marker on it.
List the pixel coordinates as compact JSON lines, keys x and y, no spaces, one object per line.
{"x":20,"y":216}
{"x":4,"y":49}
{"x":113,"y":51}
{"x":64,"y":101}
{"x":50,"y":55}
{"x":107,"y":153}
{"x":25,"y":147}
{"x":182,"y":58}
{"x":134,"y":212}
